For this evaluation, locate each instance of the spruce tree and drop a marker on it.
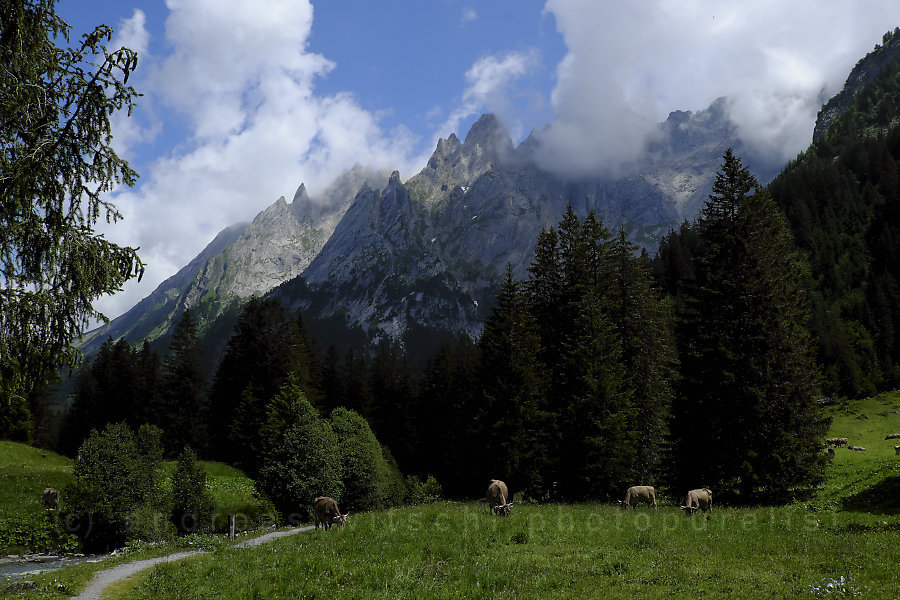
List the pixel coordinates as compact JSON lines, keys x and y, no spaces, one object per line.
{"x":517,"y":428}
{"x":184,"y":389}
{"x":746,"y":419}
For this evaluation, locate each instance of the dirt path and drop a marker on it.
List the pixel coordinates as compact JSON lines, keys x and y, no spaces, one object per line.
{"x":104,"y":578}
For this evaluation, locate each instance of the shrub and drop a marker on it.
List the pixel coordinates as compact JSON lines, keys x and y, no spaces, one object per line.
{"x":113,"y":479}
{"x":192,"y":504}
{"x":422,"y":492}
{"x":299,"y":459}
{"x":364,"y":471}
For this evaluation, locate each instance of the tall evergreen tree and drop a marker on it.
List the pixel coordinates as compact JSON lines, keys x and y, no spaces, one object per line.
{"x":256,"y":363}
{"x":184,"y":389}
{"x":649,"y":355}
{"x":746,"y":419}
{"x":517,"y":429}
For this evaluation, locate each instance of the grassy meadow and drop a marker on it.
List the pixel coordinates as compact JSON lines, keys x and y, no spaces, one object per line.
{"x":458,"y":550}
{"x":24,"y":473}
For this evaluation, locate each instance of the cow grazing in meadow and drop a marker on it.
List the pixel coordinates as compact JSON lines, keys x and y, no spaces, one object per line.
{"x":892,"y":436}
{"x":639,"y":493}
{"x":897,"y":450}
{"x":327,"y":513}
{"x":699,"y":499}
{"x":498,"y":498}
{"x":50,"y":496}
{"x":856,"y":448}
{"x":831,"y":452}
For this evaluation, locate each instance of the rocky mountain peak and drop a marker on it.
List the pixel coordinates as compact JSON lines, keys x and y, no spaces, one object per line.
{"x":490,"y":135}
{"x":865,"y":72}
{"x":301,"y":195}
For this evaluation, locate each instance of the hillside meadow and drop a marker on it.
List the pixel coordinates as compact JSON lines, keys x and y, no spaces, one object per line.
{"x":27,"y":527}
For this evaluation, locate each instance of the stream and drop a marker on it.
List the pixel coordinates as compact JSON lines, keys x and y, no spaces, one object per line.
{"x":16,"y":567}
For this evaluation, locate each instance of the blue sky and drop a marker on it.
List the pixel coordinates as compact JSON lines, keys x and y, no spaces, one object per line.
{"x":243,"y":100}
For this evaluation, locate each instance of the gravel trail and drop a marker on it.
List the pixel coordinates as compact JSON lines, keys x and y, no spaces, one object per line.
{"x":108,"y":576}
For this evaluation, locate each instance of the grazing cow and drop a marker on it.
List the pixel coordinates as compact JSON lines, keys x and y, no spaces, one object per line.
{"x":896,"y":449}
{"x":639,"y":493}
{"x":50,"y":497}
{"x":856,"y":448}
{"x":831,"y":452}
{"x":893,"y":436}
{"x":497,"y":497}
{"x":698,"y":499}
{"x":327,"y":513}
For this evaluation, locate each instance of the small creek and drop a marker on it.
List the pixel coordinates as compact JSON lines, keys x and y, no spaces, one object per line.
{"x":17,"y":567}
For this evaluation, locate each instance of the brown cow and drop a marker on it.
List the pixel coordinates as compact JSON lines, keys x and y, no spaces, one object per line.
{"x":639,"y":493}
{"x":856,"y":448}
{"x":50,"y":497}
{"x":893,"y":436}
{"x":698,"y":499}
{"x":327,"y":513}
{"x":497,"y":497}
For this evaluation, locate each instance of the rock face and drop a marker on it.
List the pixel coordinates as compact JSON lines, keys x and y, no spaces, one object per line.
{"x":243,"y":260}
{"x":865,"y":71}
{"x":429,"y":253}
{"x":387,"y":257}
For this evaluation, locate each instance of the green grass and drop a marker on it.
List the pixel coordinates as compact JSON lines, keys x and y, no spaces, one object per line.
{"x":24,"y":473}
{"x":27,"y":527}
{"x":869,"y":480}
{"x":454,"y":550}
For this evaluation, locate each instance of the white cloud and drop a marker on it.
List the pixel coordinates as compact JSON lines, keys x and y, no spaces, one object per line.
{"x":243,"y":79}
{"x":629,"y":64}
{"x":488,"y":87}
{"x":469,"y":15}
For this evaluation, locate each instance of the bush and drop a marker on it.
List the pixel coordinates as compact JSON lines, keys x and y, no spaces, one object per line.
{"x":113,"y":479}
{"x":395,"y":486}
{"x":299,"y":459}
{"x":422,"y":492}
{"x":192,"y":504}
{"x":364,"y":471}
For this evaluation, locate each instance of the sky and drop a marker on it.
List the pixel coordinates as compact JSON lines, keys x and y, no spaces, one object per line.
{"x":243,"y":101}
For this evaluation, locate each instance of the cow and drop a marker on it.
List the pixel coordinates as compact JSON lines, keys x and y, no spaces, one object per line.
{"x":639,"y":493}
{"x":856,"y":448}
{"x":831,"y":452}
{"x":50,"y":496}
{"x":892,"y":436}
{"x":842,"y":441}
{"x":698,"y":499}
{"x":327,"y":513}
{"x":498,"y":498}
{"x":897,"y":450}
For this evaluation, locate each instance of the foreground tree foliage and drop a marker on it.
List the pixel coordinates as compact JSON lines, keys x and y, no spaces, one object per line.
{"x":57,"y":163}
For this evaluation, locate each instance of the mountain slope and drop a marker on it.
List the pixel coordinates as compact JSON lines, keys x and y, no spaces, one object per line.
{"x":429,"y":253}
{"x":243,"y":260}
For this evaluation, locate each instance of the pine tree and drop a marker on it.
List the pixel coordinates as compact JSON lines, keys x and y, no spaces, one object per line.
{"x":257,"y":360}
{"x":517,"y":428}
{"x":184,"y":389}
{"x":649,"y":355}
{"x":746,"y":419}
{"x":56,"y":102}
